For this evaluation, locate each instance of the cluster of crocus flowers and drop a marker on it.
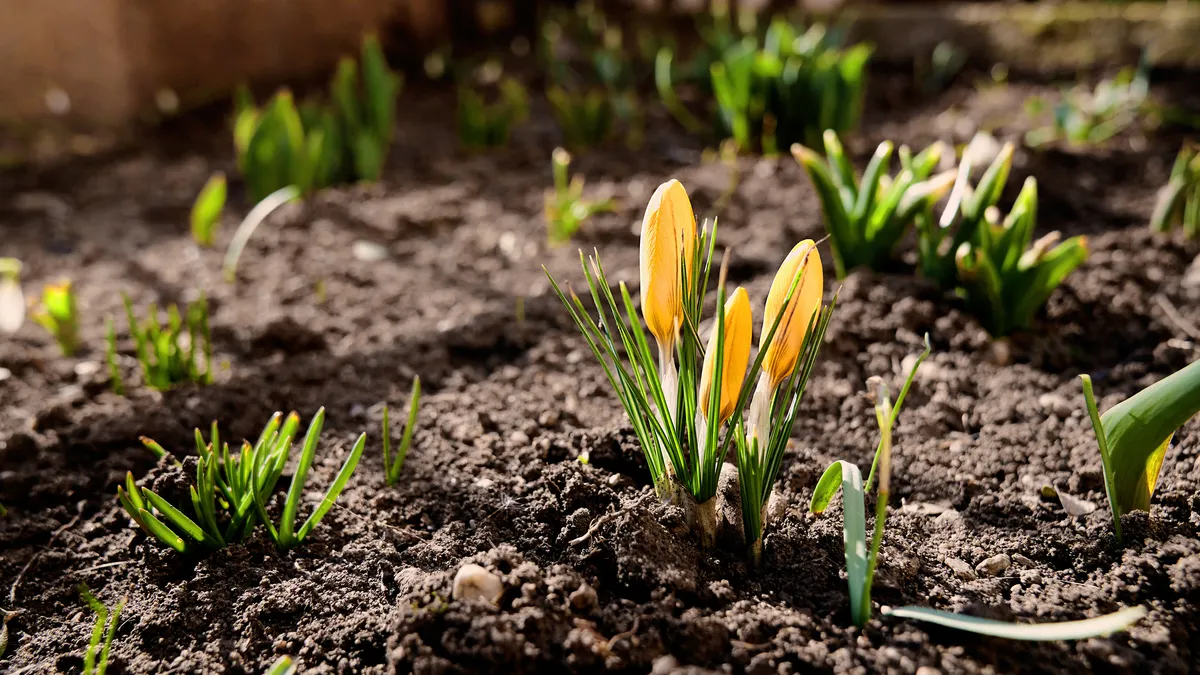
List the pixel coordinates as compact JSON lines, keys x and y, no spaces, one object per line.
{"x":686,"y":397}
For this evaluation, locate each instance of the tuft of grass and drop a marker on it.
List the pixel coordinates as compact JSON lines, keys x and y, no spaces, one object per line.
{"x":318,"y":144}
{"x":1005,"y":280}
{"x":206,"y":211}
{"x":566,"y":209}
{"x":787,"y":86}
{"x":58,"y":313}
{"x":95,"y":658}
{"x":867,"y":217}
{"x":1178,"y":202}
{"x":1089,"y":117}
{"x":165,"y":356}
{"x":231,"y":491}
{"x":392,"y":467}
{"x":485,"y":119}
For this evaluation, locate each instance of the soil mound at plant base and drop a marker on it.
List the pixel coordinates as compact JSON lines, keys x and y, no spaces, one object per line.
{"x":597,"y":574}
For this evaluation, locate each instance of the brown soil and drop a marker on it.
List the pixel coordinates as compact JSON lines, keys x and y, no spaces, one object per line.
{"x":512,"y":403}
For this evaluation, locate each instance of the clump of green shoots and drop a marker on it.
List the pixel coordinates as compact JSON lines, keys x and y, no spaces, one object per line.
{"x":95,"y":658}
{"x":12,"y":299}
{"x":392,"y":467}
{"x":938,"y":241}
{"x":787,"y":87}
{"x":1086,"y":117}
{"x":586,"y":117}
{"x":866,"y":218}
{"x":206,"y":212}
{"x":235,"y":488}
{"x":1002,"y":278}
{"x":483,"y":124}
{"x":319,"y":144}
{"x":566,"y":209}
{"x":168,"y":354}
{"x":58,"y":313}
{"x":861,"y":561}
{"x":1179,"y":200}
{"x":1134,"y":436}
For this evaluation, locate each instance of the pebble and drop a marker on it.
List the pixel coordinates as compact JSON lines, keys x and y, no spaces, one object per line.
{"x":583,"y":598}
{"x":87,"y":368}
{"x":368,"y":251}
{"x":548,"y":418}
{"x":961,"y":569}
{"x":1022,"y":560}
{"x":518,"y":438}
{"x":928,"y":670}
{"x":5,"y":373}
{"x":994,"y":565}
{"x":474,"y":583}
{"x":1056,"y":404}
{"x":664,"y":665}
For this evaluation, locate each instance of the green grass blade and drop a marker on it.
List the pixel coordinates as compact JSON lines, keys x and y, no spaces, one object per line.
{"x":282,"y":666}
{"x":335,"y":489}
{"x":292,"y":505}
{"x":1064,"y":630}
{"x":160,"y":531}
{"x":410,"y":425}
{"x":206,"y":212}
{"x":251,"y":222}
{"x":176,"y":517}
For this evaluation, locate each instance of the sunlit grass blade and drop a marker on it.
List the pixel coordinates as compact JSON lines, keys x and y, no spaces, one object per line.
{"x":292,"y":505}
{"x":1065,"y":630}
{"x":334,"y":490}
{"x":392,"y":469}
{"x":96,"y":662}
{"x":250,"y":223}
{"x":206,"y":211}
{"x":282,"y":666}
{"x":854,"y":526}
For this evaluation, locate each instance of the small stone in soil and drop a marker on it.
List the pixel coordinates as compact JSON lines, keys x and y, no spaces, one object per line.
{"x":961,"y":569}
{"x":994,"y":565}
{"x":369,"y":251}
{"x":1074,"y":506}
{"x":583,"y":598}
{"x":475,"y":583}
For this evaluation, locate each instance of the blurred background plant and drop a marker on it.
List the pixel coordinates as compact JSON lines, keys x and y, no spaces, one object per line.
{"x":1178,"y":203}
{"x":566,"y":209}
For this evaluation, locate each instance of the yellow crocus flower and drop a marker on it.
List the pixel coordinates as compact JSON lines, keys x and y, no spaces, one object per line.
{"x":739,"y":326}
{"x":784,"y":350}
{"x":668,"y":243}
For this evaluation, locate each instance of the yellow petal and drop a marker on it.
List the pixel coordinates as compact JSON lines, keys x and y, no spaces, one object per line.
{"x":668,"y":242}
{"x":781,"y":355}
{"x":739,"y":326}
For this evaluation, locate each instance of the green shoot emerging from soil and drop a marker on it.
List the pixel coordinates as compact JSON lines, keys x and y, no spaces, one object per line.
{"x":1091,"y":117}
{"x":95,"y":658}
{"x":392,"y":467}
{"x":679,"y":404}
{"x":938,"y":241}
{"x":240,"y":485}
{"x":786,"y":87}
{"x":585,"y":117}
{"x":282,"y":666}
{"x":483,"y":124}
{"x":58,"y":313}
{"x":566,"y":209}
{"x":320,"y":144}
{"x":206,"y":212}
{"x":866,"y":218}
{"x":1003,"y":279}
{"x":166,"y":357}
{"x":1134,"y":436}
{"x":861,"y":561}
{"x":12,"y":299}
{"x":1179,"y":200}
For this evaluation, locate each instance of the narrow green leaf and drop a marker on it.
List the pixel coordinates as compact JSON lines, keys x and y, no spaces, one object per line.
{"x":161,"y":531}
{"x":1066,"y":630}
{"x":854,"y":526}
{"x":335,"y":489}
{"x":288,"y":522}
{"x":176,"y":517}
{"x":206,"y":212}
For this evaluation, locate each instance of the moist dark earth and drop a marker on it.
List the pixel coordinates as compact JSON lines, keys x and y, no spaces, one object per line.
{"x":598,"y":574}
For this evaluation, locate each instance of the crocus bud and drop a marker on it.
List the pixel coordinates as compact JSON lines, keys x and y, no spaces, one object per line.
{"x":735,"y":354}
{"x":668,"y":241}
{"x":803,"y":264}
